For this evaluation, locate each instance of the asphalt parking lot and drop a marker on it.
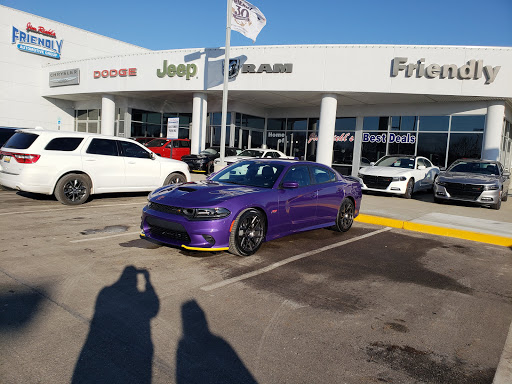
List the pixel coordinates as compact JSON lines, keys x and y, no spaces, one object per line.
{"x":83,"y":299}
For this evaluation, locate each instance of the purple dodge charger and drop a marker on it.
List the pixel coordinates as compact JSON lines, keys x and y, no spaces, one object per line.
{"x":250,"y":202}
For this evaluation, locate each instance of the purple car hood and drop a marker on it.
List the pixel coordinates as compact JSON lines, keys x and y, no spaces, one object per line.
{"x":200,"y":193}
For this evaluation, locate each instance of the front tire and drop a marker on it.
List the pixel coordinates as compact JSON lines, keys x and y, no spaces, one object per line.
{"x":175,"y":178}
{"x":345,"y":217}
{"x":73,"y":189}
{"x":248,"y":233}
{"x":504,"y":195}
{"x":497,"y":206}
{"x":409,"y":189}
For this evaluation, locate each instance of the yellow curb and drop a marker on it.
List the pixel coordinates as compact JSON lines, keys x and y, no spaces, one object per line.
{"x":435,"y":230}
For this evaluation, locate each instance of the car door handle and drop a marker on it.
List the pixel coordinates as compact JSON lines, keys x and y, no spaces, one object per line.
{"x":132,"y":162}
{"x":90,"y":159}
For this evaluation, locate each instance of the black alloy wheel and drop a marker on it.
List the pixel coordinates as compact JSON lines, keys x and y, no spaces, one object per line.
{"x":73,"y":189}
{"x":248,"y":233}
{"x":345,"y":217}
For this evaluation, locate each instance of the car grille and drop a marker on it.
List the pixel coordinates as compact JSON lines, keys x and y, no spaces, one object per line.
{"x":377,"y":182}
{"x":164,"y":208}
{"x":167,"y":230}
{"x":464,"y":191}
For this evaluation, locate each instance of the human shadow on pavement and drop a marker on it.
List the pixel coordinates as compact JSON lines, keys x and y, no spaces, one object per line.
{"x":203,"y":357}
{"x":119,"y":348}
{"x":18,"y":306}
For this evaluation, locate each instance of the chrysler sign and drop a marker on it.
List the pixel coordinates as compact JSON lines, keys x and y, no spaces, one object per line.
{"x":65,"y":77}
{"x":473,"y":69}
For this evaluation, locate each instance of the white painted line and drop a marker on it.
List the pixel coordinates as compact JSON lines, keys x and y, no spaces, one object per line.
{"x":104,"y":237}
{"x":70,"y":209}
{"x":289,"y":260}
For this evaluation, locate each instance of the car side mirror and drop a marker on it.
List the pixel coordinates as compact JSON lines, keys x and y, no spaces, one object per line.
{"x":152,"y":155}
{"x":506,"y":173}
{"x":290,"y":185}
{"x":442,"y":169}
{"x":372,"y":163}
{"x":420,"y":167}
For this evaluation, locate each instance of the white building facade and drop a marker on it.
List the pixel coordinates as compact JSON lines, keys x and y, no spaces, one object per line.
{"x":341,"y":105}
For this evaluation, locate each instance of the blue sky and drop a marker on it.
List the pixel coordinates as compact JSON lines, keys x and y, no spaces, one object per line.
{"x":177,"y":24}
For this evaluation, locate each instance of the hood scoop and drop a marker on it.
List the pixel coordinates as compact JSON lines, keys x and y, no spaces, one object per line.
{"x":187,"y":189}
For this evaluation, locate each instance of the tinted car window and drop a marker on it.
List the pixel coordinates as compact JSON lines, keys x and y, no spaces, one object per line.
{"x":230,"y":152}
{"x":298,"y":174}
{"x":157,"y":143}
{"x":185,"y":144}
{"x":21,"y":140}
{"x":64,"y":144}
{"x":103,"y":147}
{"x":323,"y":175}
{"x":133,"y":150}
{"x":5,"y":134}
{"x":421,"y":162}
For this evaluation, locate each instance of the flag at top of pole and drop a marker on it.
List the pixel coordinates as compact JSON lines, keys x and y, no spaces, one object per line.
{"x":247,"y":19}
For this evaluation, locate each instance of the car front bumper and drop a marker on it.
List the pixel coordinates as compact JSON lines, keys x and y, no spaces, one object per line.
{"x":177,"y":230}
{"x":484,"y":198}
{"x":395,"y":187}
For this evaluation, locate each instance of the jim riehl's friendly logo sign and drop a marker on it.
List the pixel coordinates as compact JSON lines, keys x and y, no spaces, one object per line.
{"x":37,"y":40}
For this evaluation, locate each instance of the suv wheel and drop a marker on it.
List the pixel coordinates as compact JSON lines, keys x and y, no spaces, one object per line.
{"x":73,"y":189}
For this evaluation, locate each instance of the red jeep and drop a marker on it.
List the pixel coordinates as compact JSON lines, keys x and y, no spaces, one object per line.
{"x":170,"y":148}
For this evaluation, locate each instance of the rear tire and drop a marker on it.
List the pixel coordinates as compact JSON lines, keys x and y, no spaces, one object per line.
{"x":345,"y":217}
{"x":73,"y":189}
{"x":247,"y":233}
{"x":409,"y":189}
{"x":175,"y":178}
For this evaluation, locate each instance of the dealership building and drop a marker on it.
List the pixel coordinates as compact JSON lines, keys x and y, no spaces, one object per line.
{"x":342,"y":105}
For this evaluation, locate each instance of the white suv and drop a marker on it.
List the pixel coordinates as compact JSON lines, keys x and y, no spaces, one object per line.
{"x":74,"y":165}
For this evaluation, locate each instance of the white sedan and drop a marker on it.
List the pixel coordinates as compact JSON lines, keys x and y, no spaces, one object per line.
{"x":399,"y":174}
{"x":251,"y":154}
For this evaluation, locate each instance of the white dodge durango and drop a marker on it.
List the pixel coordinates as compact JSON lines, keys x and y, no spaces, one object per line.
{"x":74,"y":165}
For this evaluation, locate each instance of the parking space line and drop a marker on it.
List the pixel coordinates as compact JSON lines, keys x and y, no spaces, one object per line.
{"x":105,"y":237}
{"x":68,"y":209}
{"x":288,"y":260}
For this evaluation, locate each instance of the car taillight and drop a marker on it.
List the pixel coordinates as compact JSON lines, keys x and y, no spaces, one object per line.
{"x":23,"y":157}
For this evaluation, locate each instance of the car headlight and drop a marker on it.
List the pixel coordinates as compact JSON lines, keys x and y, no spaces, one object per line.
{"x":399,"y":178}
{"x":493,"y":187}
{"x":205,"y":213}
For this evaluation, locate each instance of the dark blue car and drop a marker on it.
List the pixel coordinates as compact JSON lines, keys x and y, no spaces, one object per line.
{"x":250,"y":202}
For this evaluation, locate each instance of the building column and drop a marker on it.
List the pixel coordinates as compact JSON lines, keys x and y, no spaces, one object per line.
{"x":198,"y":132}
{"x":358,"y":140}
{"x":493,"y":129}
{"x":108,"y":115}
{"x":326,"y":129}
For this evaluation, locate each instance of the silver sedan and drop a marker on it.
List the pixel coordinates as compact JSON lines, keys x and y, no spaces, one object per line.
{"x":479,"y":181}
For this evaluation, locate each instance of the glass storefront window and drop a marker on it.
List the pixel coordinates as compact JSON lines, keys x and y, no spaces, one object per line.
{"x":404,"y":123}
{"x":401,"y":143}
{"x":313,"y":124}
{"x":471,"y":123}
{"x":434,"y":123}
{"x":256,"y":138}
{"x":373,"y":151}
{"x":296,"y":124}
{"x":373,"y":123}
{"x":464,"y":145}
{"x":345,"y":124}
{"x":81,"y":114}
{"x":433,"y":147}
{"x":185,"y":119}
{"x":276,"y":124}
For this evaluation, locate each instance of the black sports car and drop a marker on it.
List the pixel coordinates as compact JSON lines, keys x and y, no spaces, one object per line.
{"x":204,"y":161}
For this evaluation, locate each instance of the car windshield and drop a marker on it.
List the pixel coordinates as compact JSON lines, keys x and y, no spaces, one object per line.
{"x":250,"y":173}
{"x":482,"y":168}
{"x":251,"y":153}
{"x":396,"y":162}
{"x":209,"y":151}
{"x":156,"y":143}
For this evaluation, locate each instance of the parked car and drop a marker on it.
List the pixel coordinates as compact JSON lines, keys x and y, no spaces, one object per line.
{"x":478,"y":181}
{"x":250,"y":202}
{"x":203,"y":162}
{"x":170,"y":148}
{"x":252,"y":154}
{"x":143,"y":140}
{"x":73,"y":165}
{"x":399,"y":175}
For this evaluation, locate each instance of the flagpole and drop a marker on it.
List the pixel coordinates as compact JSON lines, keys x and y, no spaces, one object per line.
{"x":225,"y":89}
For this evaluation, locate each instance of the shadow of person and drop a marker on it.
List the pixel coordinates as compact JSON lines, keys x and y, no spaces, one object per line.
{"x":203,"y":357}
{"x":118,"y":348}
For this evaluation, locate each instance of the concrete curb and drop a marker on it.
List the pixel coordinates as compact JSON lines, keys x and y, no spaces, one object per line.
{"x":436,"y":230}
